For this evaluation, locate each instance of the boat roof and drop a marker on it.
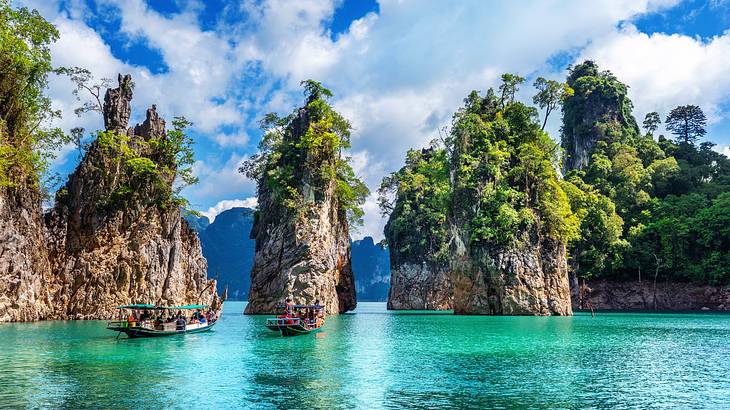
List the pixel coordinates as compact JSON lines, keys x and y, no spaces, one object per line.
{"x":150,"y":306}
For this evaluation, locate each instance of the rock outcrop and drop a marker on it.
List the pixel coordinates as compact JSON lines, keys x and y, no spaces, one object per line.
{"x":418,"y":233}
{"x":600,"y":110}
{"x":508,"y":223}
{"x":529,"y":278}
{"x":24,"y":267}
{"x":635,"y":295}
{"x":302,"y":252}
{"x":112,"y":241}
{"x":109,"y":239}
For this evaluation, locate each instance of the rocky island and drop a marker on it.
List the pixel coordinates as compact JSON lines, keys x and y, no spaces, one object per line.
{"x":307,"y":195}
{"x":115,"y":234}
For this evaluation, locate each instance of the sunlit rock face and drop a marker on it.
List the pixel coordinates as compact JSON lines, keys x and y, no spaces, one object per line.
{"x":110,"y":241}
{"x":420,"y":287}
{"x":305,"y":256}
{"x":24,"y":267}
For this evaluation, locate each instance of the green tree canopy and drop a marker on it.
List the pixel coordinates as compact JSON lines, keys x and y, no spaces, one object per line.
{"x":688,"y":123}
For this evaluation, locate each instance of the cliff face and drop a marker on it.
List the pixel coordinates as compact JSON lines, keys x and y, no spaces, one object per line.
{"x":420,"y":287}
{"x":509,"y":217}
{"x":108,"y":240}
{"x":599,"y":110}
{"x":526,"y":279}
{"x":302,"y":252}
{"x":24,"y":267}
{"x":635,"y":295}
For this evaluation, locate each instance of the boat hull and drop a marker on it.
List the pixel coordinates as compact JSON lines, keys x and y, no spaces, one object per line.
{"x":292,"y":330}
{"x":139,"y":332}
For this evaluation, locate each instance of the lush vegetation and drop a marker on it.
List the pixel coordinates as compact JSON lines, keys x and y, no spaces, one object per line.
{"x":300,"y":155}
{"x":646,"y":204}
{"x":25,"y":61}
{"x":417,"y":198}
{"x":505,"y":182}
{"x":149,"y":167}
{"x":505,"y":178}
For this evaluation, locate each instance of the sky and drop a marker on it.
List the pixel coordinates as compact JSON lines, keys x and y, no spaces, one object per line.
{"x":398,"y":69}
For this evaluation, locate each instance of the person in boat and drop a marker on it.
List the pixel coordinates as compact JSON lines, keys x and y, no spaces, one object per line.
{"x":131,"y":320}
{"x":180,"y":323}
{"x":289,"y":308}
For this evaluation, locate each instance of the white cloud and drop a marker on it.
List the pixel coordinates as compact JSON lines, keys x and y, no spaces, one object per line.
{"x":398,"y":75}
{"x":664,"y":71}
{"x":223,"y":181}
{"x":227,"y":204}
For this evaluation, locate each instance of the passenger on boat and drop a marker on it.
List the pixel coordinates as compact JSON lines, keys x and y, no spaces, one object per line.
{"x":131,"y":320}
{"x":180,"y":323}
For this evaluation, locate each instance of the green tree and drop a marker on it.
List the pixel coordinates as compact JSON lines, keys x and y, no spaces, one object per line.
{"x":509,"y":87}
{"x":688,"y":123}
{"x":295,"y":148}
{"x":652,"y":122}
{"x":550,"y":96}
{"x":25,"y":61}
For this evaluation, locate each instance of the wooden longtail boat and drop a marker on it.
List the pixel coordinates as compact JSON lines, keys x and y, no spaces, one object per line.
{"x":149,"y":328}
{"x":309,"y":321}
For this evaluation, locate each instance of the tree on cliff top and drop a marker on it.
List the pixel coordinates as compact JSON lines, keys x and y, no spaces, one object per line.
{"x":688,"y":123}
{"x":25,"y":61}
{"x":504,"y":173}
{"x":306,"y":147}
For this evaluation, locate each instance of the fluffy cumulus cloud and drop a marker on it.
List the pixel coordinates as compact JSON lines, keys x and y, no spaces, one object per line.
{"x":398,"y":74}
{"x":227,"y":204}
{"x":667,"y":70}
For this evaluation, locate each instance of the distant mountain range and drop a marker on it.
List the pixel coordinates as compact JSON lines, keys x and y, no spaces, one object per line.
{"x":230,"y":252}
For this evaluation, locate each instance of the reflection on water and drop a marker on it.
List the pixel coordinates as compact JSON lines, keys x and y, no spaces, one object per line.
{"x":374,"y":358}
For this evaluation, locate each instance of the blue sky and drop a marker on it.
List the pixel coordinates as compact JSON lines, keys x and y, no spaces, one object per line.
{"x":399,"y":69}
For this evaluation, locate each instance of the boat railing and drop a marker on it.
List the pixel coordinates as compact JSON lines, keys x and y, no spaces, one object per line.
{"x":284,"y":321}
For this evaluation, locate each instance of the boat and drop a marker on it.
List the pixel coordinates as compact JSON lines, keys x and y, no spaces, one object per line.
{"x":135,"y":325}
{"x":303,"y":320}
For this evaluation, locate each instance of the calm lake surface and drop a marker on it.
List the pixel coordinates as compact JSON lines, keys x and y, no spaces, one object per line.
{"x":374,"y":359}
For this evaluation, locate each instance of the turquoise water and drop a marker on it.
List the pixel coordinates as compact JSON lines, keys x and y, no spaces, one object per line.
{"x":374,"y":359}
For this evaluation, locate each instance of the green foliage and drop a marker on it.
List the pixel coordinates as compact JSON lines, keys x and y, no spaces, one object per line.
{"x":504,"y":173}
{"x":154,"y":170}
{"x":644,"y":202}
{"x":687,"y":122}
{"x":25,"y":60}
{"x":296,"y":167}
{"x":550,"y":96}
{"x":651,"y":122}
{"x":417,"y":199}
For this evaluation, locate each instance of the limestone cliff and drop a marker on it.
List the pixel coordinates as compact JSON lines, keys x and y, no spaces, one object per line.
{"x":111,"y":237}
{"x":418,"y":233}
{"x":114,"y":239}
{"x":509,"y":216}
{"x":301,"y":226}
{"x":529,"y":278}
{"x":635,"y":295}
{"x":599,"y":110}
{"x":24,"y":267}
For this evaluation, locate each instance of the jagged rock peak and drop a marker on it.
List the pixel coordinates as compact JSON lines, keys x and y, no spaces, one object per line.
{"x":153,"y":125}
{"x":117,"y":108}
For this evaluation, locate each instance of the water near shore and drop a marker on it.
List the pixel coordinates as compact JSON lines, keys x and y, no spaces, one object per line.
{"x":374,"y":358}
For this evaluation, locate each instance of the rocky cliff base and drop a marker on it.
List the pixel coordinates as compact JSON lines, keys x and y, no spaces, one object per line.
{"x":635,"y":295}
{"x":527,"y":279}
{"x":419,"y":287}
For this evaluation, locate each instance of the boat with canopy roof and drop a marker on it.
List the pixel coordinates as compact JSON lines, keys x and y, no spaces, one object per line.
{"x":298,"y":320}
{"x":146,"y":320}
